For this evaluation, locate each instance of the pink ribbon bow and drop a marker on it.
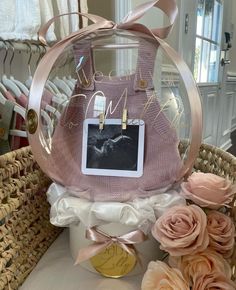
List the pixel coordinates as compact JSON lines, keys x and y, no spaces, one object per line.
{"x":103,"y":241}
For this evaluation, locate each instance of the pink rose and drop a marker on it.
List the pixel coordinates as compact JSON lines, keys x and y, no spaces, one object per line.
{"x":181,"y":230}
{"x":208,"y":190}
{"x":160,"y":276}
{"x":221,"y":232}
{"x":200,"y":264}
{"x":213,"y":281}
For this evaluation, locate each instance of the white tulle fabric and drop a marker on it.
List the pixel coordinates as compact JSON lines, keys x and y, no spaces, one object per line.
{"x":7,"y":18}
{"x":84,"y":9}
{"x":68,"y":24}
{"x":46,"y":12}
{"x":18,"y":20}
{"x":28,"y":20}
{"x":141,"y":213}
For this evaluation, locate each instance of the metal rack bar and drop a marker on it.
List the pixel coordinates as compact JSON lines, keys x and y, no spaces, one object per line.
{"x":22,"y":46}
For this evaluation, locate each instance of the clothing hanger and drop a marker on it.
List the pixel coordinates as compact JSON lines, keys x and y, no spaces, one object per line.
{"x":21,"y":86}
{"x":49,"y":85}
{"x":69,"y":83}
{"x":62,"y":86}
{"x":74,"y":81}
{"x":48,"y":121}
{"x":68,"y":79}
{"x":3,"y":90}
{"x":53,"y":111}
{"x":9,"y":84}
{"x":28,"y":82}
{"x":52,"y":87}
{"x":17,"y":108}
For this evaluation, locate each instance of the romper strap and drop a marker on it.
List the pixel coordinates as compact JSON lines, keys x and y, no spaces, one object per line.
{"x":144,"y":68}
{"x":145,"y":65}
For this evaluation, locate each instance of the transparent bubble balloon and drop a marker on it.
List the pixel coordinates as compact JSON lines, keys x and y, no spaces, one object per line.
{"x":113,"y":111}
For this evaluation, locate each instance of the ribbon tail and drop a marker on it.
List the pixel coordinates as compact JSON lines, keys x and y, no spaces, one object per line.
{"x":139,"y":11}
{"x":91,"y":251}
{"x":139,"y":260}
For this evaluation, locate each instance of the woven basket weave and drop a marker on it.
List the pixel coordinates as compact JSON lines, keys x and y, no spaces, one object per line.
{"x":25,"y":230}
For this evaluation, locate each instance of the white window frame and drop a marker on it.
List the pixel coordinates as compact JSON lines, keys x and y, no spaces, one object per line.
{"x":211,"y":42}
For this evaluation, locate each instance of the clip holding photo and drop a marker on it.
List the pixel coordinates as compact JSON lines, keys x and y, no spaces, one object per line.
{"x":124,"y":119}
{"x":101,"y":121}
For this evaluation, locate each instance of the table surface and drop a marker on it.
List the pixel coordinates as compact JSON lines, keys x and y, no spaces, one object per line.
{"x":56,"y":271}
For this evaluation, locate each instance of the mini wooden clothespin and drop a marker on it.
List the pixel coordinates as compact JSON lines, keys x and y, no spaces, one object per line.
{"x":101,"y":121}
{"x":124,"y":119}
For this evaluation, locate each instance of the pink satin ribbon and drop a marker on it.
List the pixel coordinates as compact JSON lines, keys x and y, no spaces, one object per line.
{"x":38,"y":142}
{"x":103,"y":241}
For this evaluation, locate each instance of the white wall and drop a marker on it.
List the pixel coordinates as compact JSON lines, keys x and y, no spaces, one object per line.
{"x":181,"y":41}
{"x":103,"y":8}
{"x":154,"y":18}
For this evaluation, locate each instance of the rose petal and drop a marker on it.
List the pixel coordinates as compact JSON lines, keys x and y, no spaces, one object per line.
{"x":221,"y":231}
{"x":182,"y":230}
{"x":159,"y":276}
{"x":202,"y":263}
{"x":212,"y":281}
{"x":208,"y":190}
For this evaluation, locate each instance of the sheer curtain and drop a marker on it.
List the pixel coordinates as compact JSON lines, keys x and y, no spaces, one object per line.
{"x":21,"y":20}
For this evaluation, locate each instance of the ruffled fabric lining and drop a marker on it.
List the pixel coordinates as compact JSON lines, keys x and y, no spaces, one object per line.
{"x":141,"y":213}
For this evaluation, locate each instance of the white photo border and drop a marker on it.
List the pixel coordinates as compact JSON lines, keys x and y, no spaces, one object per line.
{"x":113,"y":172}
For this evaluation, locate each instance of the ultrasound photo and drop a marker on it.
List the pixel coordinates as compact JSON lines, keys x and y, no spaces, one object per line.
{"x":112,"y":148}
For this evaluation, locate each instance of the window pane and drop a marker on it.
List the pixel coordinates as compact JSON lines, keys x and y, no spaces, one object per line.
{"x":208,"y":18}
{"x":214,"y":64}
{"x":205,"y":61}
{"x":208,"y":39}
{"x":197,"y":61}
{"x":217,"y":20}
{"x":200,"y":17}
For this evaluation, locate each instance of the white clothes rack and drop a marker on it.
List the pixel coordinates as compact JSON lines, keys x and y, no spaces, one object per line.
{"x":22,"y":46}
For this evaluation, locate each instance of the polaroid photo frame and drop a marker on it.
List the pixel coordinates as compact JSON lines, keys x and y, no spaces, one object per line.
{"x":113,"y":151}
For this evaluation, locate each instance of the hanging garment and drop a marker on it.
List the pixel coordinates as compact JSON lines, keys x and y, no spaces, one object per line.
{"x":70,"y":23}
{"x":17,"y":122}
{"x":28,"y":20}
{"x":83,"y":8}
{"x":74,"y":19}
{"x":7,"y":19}
{"x":6,"y":116}
{"x":46,"y":12}
{"x":162,"y":162}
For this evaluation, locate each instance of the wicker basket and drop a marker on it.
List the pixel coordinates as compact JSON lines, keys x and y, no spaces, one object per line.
{"x":25,"y":231}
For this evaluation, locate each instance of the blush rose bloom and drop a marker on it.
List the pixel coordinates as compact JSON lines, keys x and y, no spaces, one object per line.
{"x":221,"y":232}
{"x":194,"y":266}
{"x":208,"y":190}
{"x":160,"y":276}
{"x":181,"y":230}
{"x":212,"y":281}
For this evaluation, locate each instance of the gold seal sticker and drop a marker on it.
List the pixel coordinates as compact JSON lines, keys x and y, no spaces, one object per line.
{"x":114,"y":262}
{"x":31,"y":121}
